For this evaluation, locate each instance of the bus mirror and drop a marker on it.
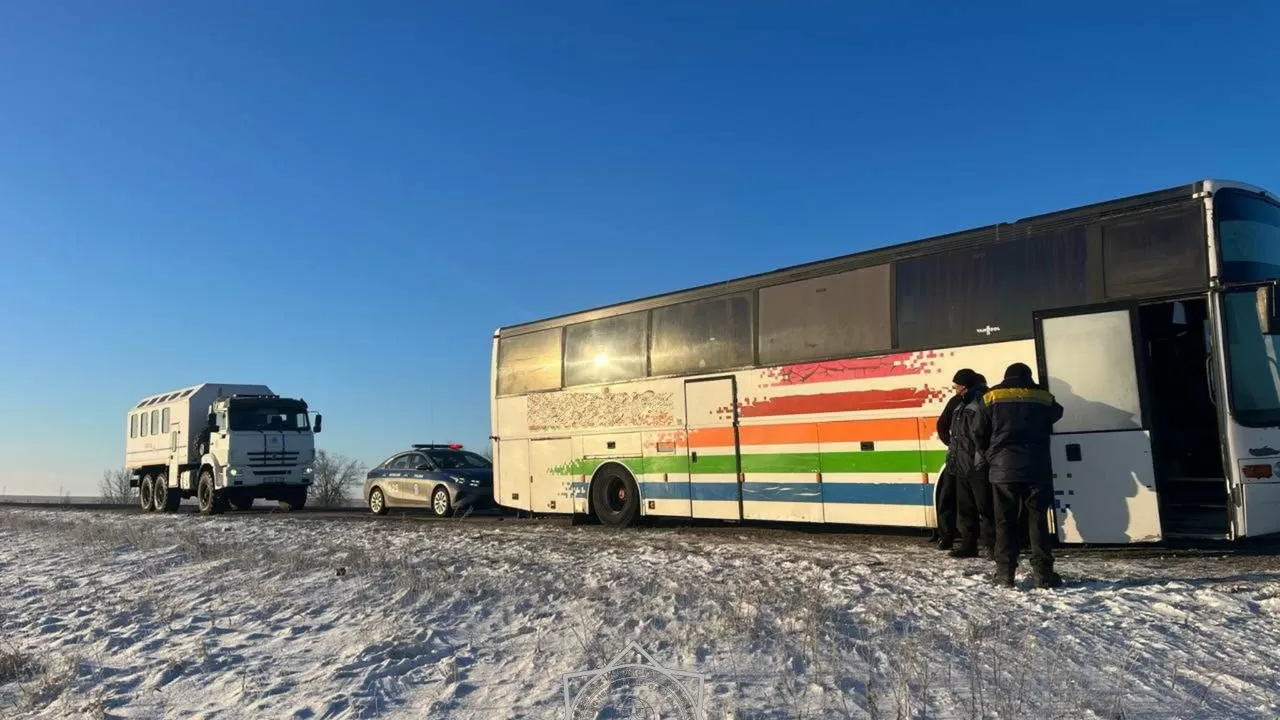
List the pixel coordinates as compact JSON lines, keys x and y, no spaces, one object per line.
{"x":319,"y":420}
{"x":1268,"y":319}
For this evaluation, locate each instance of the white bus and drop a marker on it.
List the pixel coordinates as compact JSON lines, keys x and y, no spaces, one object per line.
{"x":810,"y":394}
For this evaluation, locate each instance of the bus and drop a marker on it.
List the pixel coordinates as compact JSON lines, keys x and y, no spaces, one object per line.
{"x":810,"y":394}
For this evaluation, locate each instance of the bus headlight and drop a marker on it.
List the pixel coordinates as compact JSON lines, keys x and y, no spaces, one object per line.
{"x":308,"y":470}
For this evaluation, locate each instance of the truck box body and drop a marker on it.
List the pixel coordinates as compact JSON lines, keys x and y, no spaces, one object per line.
{"x":161,"y":427}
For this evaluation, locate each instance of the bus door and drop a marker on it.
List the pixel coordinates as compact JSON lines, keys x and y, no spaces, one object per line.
{"x":715,"y":468}
{"x":1103,"y":471}
{"x":1254,"y":475}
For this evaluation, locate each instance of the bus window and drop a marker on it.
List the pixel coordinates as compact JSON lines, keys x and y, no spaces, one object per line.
{"x":827,"y":317}
{"x":702,"y":336}
{"x":607,"y":350}
{"x":529,"y":362}
{"x":1249,"y":237}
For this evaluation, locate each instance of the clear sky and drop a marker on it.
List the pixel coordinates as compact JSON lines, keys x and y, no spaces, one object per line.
{"x":343,"y":200}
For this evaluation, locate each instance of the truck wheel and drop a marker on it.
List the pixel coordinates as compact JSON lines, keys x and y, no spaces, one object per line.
{"x":615,"y":498}
{"x":212,"y":501}
{"x":293,"y":500}
{"x":377,"y":502}
{"x":164,"y":498}
{"x":440,"y":503}
{"x":158,"y":491}
{"x":145,"y":494}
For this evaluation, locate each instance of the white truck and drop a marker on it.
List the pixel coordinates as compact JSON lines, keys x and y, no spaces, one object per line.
{"x":225,"y":445}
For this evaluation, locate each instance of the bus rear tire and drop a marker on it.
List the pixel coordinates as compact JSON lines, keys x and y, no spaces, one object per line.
{"x":615,"y":498}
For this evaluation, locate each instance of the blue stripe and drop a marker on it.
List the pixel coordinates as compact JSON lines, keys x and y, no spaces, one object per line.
{"x":911,"y":494}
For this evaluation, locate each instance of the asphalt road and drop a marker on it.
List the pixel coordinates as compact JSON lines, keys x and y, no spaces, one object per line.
{"x":1265,"y":551}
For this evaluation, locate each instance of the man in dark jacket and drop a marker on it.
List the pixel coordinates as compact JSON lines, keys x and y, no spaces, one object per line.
{"x":945,"y":498}
{"x":1012,"y":432}
{"x":974,"y":518}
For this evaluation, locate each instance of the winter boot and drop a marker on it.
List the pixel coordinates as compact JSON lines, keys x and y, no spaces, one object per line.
{"x":1002,"y":577}
{"x":964,"y":551}
{"x":945,"y":543}
{"x":1047,"y":579}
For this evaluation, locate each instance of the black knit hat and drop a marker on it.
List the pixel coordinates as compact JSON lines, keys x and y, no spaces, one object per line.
{"x":965,"y":377}
{"x":1018,"y":371}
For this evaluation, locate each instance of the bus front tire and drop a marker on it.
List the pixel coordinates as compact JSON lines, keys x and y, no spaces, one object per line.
{"x":615,"y":498}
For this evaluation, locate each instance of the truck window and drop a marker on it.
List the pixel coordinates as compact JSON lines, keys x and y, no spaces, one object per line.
{"x":133,"y":425}
{"x":164,"y":420}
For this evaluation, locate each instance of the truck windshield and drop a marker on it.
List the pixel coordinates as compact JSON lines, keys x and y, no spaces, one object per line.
{"x":268,"y":418}
{"x":1249,"y":238}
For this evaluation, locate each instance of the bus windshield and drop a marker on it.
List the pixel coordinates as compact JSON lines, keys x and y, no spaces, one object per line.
{"x":1249,"y":237}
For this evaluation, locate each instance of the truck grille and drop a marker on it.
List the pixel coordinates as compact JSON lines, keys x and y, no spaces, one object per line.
{"x":269,"y":459}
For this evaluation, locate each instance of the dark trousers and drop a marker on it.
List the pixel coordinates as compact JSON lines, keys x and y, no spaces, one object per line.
{"x":975,"y":516}
{"x":945,"y":505}
{"x":1021,"y":512}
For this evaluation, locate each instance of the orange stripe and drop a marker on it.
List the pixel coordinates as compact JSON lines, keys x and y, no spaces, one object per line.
{"x":804,"y":433}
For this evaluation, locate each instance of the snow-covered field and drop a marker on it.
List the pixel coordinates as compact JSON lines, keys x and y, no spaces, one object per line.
{"x":146,"y":616}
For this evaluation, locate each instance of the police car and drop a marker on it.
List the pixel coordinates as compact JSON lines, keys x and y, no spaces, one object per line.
{"x":445,"y":478}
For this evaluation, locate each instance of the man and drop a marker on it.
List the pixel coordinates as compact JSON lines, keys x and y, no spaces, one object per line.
{"x":1012,"y":432}
{"x":974,"y":518}
{"x":945,"y":500}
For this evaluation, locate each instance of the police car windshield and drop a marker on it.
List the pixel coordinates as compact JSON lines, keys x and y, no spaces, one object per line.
{"x":457,"y":460}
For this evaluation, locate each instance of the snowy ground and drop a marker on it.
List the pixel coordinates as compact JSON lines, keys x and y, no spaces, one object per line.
{"x":145,"y":616}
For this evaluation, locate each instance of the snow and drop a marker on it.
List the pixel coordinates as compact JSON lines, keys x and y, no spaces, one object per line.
{"x":120,"y":614}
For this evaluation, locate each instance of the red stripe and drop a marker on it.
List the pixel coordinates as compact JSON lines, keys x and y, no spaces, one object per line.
{"x":837,"y":402}
{"x":859,"y":369}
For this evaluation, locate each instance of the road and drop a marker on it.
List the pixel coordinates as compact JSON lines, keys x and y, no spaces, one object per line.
{"x":1265,"y":551}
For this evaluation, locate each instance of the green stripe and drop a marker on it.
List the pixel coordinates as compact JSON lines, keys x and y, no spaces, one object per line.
{"x":882,"y":461}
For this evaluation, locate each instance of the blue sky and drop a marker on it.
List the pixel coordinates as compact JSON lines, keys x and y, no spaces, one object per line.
{"x":343,"y":200}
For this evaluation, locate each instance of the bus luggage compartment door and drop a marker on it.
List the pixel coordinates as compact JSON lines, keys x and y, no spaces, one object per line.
{"x":1103,"y":471}
{"x":711,"y":420}
{"x":512,"y":482}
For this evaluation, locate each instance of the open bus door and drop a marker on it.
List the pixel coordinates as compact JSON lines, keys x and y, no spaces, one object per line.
{"x":1103,"y":471}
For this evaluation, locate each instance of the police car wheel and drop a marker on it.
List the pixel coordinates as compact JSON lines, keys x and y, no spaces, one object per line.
{"x":377,"y":502}
{"x":440,"y":503}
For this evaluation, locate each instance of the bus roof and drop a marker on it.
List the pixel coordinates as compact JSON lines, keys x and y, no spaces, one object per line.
{"x":890,"y":253}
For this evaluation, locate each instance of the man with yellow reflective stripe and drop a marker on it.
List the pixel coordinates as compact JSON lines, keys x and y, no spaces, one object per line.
{"x":1012,"y":434}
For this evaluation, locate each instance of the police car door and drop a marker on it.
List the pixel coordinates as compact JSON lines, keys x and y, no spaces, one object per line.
{"x":1103,"y":471}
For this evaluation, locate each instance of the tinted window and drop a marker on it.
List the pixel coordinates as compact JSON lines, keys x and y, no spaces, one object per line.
{"x":142,"y":426}
{"x":988,"y":294}
{"x":827,"y":317}
{"x":458,"y":459}
{"x":529,"y":362}
{"x":702,"y":336}
{"x":133,"y":425}
{"x":164,"y":420}
{"x":1155,"y":255}
{"x":1249,"y":237}
{"x":607,"y":350}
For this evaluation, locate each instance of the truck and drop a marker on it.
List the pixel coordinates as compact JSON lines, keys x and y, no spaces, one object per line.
{"x":224,"y":444}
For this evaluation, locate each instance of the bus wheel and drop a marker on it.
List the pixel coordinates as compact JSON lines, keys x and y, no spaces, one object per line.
{"x":615,"y":497}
